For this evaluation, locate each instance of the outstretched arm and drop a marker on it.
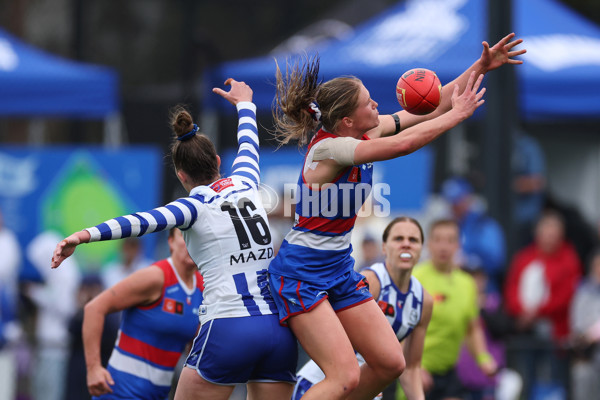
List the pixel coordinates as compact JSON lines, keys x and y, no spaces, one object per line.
{"x":246,"y":161}
{"x":412,"y":139}
{"x":181,"y":213}
{"x":491,"y":58}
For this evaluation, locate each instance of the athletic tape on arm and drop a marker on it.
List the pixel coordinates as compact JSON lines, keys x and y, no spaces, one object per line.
{"x":340,"y":149}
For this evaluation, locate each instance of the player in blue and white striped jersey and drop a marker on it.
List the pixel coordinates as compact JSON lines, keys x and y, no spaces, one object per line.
{"x":227,"y":234}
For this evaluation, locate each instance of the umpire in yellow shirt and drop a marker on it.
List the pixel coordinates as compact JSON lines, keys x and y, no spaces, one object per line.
{"x":455,"y":315}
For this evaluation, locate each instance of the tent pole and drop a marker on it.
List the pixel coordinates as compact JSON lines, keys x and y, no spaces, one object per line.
{"x":114,"y":136}
{"x":500,"y":123}
{"x":36,"y":132}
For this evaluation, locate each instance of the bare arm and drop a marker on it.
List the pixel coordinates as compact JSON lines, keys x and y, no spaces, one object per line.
{"x":412,"y":139}
{"x":491,"y":58}
{"x":475,"y":341}
{"x":413,"y":350}
{"x":140,"y":288}
{"x":66,"y":247}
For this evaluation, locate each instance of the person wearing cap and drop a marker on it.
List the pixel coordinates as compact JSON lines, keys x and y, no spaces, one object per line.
{"x":482,"y":239}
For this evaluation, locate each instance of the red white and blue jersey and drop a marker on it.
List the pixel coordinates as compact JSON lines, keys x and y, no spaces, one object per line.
{"x":318,"y":246}
{"x":151,"y":339}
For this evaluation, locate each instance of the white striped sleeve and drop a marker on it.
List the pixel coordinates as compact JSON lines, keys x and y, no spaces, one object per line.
{"x":181,"y":213}
{"x":246,"y":162}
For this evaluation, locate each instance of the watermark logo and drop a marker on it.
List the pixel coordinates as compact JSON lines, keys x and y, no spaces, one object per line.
{"x":269,"y":198}
{"x":342,"y":200}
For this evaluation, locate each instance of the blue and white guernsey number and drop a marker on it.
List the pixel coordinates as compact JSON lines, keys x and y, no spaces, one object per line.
{"x":225,"y":228}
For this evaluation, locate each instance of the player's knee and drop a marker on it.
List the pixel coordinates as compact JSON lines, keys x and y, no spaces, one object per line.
{"x":400,"y":366}
{"x":390,"y":367}
{"x":345,"y":380}
{"x":352,"y":379}
{"x":395,"y":366}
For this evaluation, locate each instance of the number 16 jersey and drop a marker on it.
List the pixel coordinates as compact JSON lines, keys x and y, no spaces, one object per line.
{"x":231,"y":244}
{"x":226,"y":232}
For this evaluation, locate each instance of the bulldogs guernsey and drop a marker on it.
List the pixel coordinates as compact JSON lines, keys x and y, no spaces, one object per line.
{"x":318,"y":246}
{"x":402,"y":310}
{"x":152,"y":338}
{"x":225,"y":229}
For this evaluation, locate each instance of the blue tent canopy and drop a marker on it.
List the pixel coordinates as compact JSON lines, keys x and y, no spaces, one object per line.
{"x":560,"y":77}
{"x":33,"y":82}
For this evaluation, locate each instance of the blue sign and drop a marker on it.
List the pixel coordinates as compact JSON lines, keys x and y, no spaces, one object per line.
{"x":67,"y":189}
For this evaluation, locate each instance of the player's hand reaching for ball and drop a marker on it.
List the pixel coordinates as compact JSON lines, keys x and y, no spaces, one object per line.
{"x":66,"y":247}
{"x":239,"y":92}
{"x":470,"y":99}
{"x":501,"y":53}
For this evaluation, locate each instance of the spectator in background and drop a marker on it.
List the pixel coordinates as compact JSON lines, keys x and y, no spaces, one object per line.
{"x":370,"y":252}
{"x":55,"y":299}
{"x":9,"y":327}
{"x":580,"y":233}
{"x":585,"y":327}
{"x":539,"y":287}
{"x":542,"y":279}
{"x":90,"y":287}
{"x":132,"y":259}
{"x":482,"y":238}
{"x":455,"y":316}
{"x":529,"y":184}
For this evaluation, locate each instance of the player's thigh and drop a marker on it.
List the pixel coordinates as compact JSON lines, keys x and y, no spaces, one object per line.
{"x":322,"y":336}
{"x":372,"y":336}
{"x":269,"y":390}
{"x":192,"y":386}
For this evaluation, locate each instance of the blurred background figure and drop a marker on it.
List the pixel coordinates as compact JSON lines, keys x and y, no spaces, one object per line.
{"x":56,"y":302}
{"x":496,"y":325}
{"x":370,"y":252}
{"x":10,"y":329}
{"x":540,"y":285}
{"x":132,"y":259}
{"x":90,"y":287}
{"x":529,"y":185}
{"x":481,"y":237}
{"x":585,"y":334}
{"x":455,"y":316}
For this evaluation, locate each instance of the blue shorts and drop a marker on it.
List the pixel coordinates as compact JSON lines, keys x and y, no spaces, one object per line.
{"x":229,"y":351}
{"x":295,"y":297}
